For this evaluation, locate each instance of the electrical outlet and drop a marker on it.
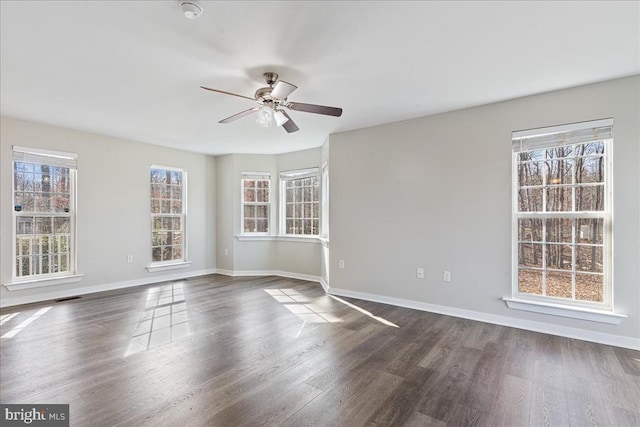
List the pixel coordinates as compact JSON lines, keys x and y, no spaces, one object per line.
{"x":341,"y":264}
{"x":420,"y":273}
{"x":226,"y":251}
{"x":129,"y":259}
{"x":446,"y":276}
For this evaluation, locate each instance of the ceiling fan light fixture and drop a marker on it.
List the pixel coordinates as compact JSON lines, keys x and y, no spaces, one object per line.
{"x":265,"y":116}
{"x":191,"y":9}
{"x":280,"y":118}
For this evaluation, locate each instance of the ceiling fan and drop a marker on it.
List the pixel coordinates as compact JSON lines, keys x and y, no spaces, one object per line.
{"x":272,"y":99}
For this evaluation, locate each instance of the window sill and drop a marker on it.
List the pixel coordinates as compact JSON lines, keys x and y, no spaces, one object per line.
{"x":43,"y":282}
{"x":592,"y":315}
{"x":151,"y":268}
{"x":270,"y":238}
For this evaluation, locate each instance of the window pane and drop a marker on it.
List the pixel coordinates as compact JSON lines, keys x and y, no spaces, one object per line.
{"x":559,"y":152}
{"x":155,"y":206}
{"x":262,"y":212}
{"x":559,"y":199}
{"x":262,"y":195}
{"x":250,"y":225}
{"x":261,"y":226}
{"x":589,"y":258}
{"x":530,"y":200}
{"x":289,"y":226}
{"x":559,"y":230}
{"x":558,"y":284}
{"x":590,"y":198}
{"x":177,"y":252}
{"x":177,"y":238}
{"x":559,"y":171}
{"x":62,"y":225}
{"x":167,"y":253}
{"x":530,"y":173}
{"x":590,"y":169}
{"x":589,"y":231}
{"x":177,"y":222}
{"x":249,"y":195}
{"x":530,"y":255}
{"x":156,"y":254}
{"x":530,"y":230}
{"x":591,"y":148}
{"x":589,"y":287}
{"x":44,"y":225}
{"x":249,"y":183}
{"x":559,"y":257}
{"x":532,"y":155}
{"x":249,"y":211}
{"x":530,"y":282}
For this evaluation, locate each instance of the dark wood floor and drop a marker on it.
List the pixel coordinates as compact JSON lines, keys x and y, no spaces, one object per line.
{"x":221,"y":351}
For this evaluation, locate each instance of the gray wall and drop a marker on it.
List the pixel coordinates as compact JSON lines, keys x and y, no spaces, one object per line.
{"x":435,"y":192}
{"x":261,"y":256}
{"x":113,"y":206}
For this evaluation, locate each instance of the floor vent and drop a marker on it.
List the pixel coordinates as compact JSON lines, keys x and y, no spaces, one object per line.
{"x":67,"y":299}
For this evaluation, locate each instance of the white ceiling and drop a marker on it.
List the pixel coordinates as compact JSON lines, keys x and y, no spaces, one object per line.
{"x":132,"y":69}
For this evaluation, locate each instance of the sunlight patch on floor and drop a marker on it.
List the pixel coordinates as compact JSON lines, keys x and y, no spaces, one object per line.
{"x":302,"y":307}
{"x":6,"y":317}
{"x":363,"y":311}
{"x":164,"y":319}
{"x":35,"y":316}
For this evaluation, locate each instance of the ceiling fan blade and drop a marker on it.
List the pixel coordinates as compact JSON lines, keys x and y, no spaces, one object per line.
{"x":226,"y":93}
{"x":312,"y":108}
{"x":239,"y":115}
{"x":282,"y":89}
{"x":289,"y":125}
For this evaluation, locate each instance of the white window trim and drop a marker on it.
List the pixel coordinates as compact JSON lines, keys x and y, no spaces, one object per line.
{"x":242,"y":203}
{"x":299,"y":238}
{"x":598,"y":312}
{"x":575,"y":312}
{"x":164,"y":266}
{"x":172,"y":264}
{"x":63,"y":159}
{"x":297,"y":174}
{"x":43,"y":282}
{"x":324,"y":203}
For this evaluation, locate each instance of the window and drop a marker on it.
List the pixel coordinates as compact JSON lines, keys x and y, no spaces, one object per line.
{"x":44,"y":213}
{"x":562,"y":218}
{"x":300,"y":202}
{"x":255,"y":203}
{"x":168,"y":214}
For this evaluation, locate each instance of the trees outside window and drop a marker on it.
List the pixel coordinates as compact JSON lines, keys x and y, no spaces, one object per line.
{"x":44,"y":213}
{"x":562,"y":214}
{"x":300,"y":198}
{"x":168,"y":214}
{"x":255,"y":210}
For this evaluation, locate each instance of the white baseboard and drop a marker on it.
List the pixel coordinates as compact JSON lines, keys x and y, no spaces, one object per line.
{"x":325,"y":284}
{"x":547,"y":328}
{"x":57,"y":294}
{"x":236,"y":273}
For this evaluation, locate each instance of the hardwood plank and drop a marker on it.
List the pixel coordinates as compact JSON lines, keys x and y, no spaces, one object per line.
{"x":252,"y":358}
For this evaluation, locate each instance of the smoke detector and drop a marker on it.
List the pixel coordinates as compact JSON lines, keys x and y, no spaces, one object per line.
{"x":191,"y":8}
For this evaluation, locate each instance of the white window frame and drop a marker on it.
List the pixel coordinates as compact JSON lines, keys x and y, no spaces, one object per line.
{"x":324,"y":203}
{"x":294,"y":175}
{"x":56,"y":159}
{"x":555,"y":305}
{"x":174,"y":263}
{"x":255,"y":176}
